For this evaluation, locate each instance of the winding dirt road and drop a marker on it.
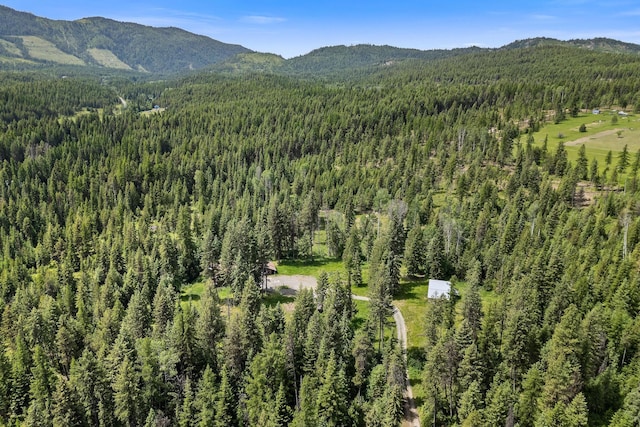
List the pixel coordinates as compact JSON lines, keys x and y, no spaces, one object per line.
{"x":295,"y":283}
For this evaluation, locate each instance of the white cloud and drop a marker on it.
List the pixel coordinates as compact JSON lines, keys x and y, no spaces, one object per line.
{"x":262,"y":20}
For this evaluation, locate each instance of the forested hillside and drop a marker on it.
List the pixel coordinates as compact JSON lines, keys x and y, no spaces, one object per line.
{"x":426,"y":170}
{"x":28,"y":41}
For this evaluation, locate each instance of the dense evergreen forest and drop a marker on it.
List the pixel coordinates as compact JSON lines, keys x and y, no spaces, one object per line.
{"x":421,"y":169}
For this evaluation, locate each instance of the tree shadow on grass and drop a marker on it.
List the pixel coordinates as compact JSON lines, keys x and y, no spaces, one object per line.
{"x":274,"y":298}
{"x":415,"y":362}
{"x":358,"y":322}
{"x":189,"y":297}
{"x":415,"y":357}
{"x":419,"y":401}
{"x":308,"y":262}
{"x":406,"y":290}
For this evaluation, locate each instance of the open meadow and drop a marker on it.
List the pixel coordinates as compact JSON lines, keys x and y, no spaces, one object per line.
{"x":604,"y":132}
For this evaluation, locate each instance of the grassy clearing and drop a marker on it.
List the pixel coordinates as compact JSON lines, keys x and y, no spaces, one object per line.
{"x":362,"y":313}
{"x":11,"y":48}
{"x":16,"y":61}
{"x":271,"y":299}
{"x":311,"y":267}
{"x":192,"y":293}
{"x":602,"y":135}
{"x":46,"y":51}
{"x":107,"y":59}
{"x":412,"y":300}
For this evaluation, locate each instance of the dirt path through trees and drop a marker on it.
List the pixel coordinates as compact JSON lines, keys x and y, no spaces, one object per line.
{"x":291,"y":284}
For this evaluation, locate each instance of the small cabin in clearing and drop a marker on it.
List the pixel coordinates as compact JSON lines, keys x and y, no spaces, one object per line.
{"x":438,"y":288}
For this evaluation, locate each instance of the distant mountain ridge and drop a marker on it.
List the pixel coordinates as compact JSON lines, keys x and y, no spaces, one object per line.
{"x":26,"y":39}
{"x":349,"y":61}
{"x":600,"y":44}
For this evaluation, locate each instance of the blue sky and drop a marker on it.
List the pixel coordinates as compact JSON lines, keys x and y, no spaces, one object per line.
{"x":292,"y":28}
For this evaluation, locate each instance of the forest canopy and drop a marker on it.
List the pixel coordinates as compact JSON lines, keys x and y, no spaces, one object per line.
{"x":110,"y":209}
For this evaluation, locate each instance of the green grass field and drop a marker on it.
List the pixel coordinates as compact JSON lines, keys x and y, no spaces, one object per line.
{"x":10,"y":48}
{"x":601,"y":136}
{"x":46,"y":51}
{"x":311,"y":267}
{"x":107,"y":59}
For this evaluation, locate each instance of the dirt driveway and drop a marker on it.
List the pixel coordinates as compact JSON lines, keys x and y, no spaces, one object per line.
{"x":290,"y":285}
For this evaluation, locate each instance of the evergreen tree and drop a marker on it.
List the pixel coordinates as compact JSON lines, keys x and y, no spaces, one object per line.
{"x":210,"y":255}
{"x":563,"y":379}
{"x":593,"y":172}
{"x":470,"y":402}
{"x":209,"y":326}
{"x":500,"y":403}
{"x":415,"y":256}
{"x":582,"y":163}
{"x":164,"y":304}
{"x":186,"y":414}
{"x":20,"y":376}
{"x":153,"y":390}
{"x":472,"y":310}
{"x":93,"y":391}
{"x":623,"y":159}
{"x":560,"y":160}
{"x":527,"y":408}
{"x":66,"y":411}
{"x":187,"y":249}
{"x":332,"y":406}
{"x":309,"y":216}
{"x":380,"y":302}
{"x":335,"y":239}
{"x":307,"y":414}
{"x":5,"y":390}
{"x":352,"y":258}
{"x":206,"y":398}
{"x":266,"y":376}
{"x":281,"y":414}
{"x":126,"y":393}
{"x":183,"y":338}
{"x":363,"y":354}
{"x":321,"y":288}
{"x":41,"y":390}
{"x":137,"y":320}
{"x":225,"y":407}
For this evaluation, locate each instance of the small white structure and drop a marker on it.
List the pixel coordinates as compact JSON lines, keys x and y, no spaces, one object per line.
{"x":596,"y":111}
{"x":438,"y":288}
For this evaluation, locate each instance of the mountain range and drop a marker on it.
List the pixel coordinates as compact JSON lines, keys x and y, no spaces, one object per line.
{"x":28,"y":41}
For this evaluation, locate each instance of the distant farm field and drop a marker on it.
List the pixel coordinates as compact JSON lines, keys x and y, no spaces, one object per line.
{"x":603,"y":134}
